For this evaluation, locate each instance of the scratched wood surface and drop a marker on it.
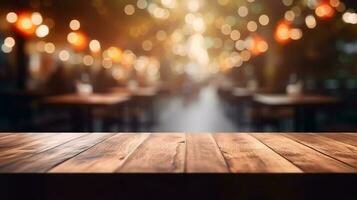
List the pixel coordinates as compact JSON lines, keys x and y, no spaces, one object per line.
{"x":178,"y":152}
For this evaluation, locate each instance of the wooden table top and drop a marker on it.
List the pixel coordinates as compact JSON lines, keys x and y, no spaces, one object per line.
{"x":178,"y":152}
{"x":87,"y":100}
{"x":293,"y":100}
{"x":139,"y":92}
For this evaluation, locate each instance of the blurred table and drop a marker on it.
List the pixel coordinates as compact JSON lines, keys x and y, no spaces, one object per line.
{"x":142,"y":101}
{"x":305,"y":106}
{"x":82,"y":106}
{"x":179,"y":153}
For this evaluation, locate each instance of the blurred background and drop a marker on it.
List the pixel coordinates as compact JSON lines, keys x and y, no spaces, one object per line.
{"x":178,"y":65}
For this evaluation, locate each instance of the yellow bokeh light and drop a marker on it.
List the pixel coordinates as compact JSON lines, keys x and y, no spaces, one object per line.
{"x":42,"y":31}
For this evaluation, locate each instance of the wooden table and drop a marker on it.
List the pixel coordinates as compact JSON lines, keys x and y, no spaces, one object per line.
{"x":178,"y":152}
{"x":305,"y":106}
{"x":81,"y":106}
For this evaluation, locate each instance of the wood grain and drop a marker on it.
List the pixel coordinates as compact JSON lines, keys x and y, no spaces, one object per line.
{"x":48,"y":159}
{"x":302,"y":156}
{"x":104,"y":157}
{"x":246,"y":154}
{"x":159,"y":153}
{"x":347,"y":138}
{"x":203,"y":154}
{"x":25,"y":145}
{"x":335,"y":149}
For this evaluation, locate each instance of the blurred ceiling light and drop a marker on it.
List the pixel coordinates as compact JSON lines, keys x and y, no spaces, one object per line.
{"x":11,"y":17}
{"x":235,"y":35}
{"x":9,"y":42}
{"x":94,"y":46}
{"x":289,"y":15}
{"x":226,"y":29}
{"x":193,"y":5}
{"x":264,"y":20}
{"x":6,"y":49}
{"x":141,"y":4}
{"x":288,"y":2}
{"x":223,"y":2}
{"x":169,"y":3}
{"x":42,"y":31}
{"x":335,"y":3}
{"x":107,"y":63}
{"x":282,"y":32}
{"x":245,"y":55}
{"x":129,"y":9}
{"x":240,"y":45}
{"x":147,"y":45}
{"x":350,"y":18}
{"x":88,"y":60}
{"x":310,"y":21}
{"x":295,"y":34}
{"x":324,"y":11}
{"x":161,"y":35}
{"x":36,"y":18}
{"x":74,"y":25}
{"x":243,"y":11}
{"x":50,"y":48}
{"x":252,"y":26}
{"x":64,"y":55}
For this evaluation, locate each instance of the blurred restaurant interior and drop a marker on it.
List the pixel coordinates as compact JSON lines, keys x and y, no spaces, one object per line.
{"x":178,"y":65}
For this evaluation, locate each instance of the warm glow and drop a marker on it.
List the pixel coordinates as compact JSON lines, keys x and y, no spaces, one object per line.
{"x":78,"y":40}
{"x":324,"y":11}
{"x":310,"y":21}
{"x":282,"y":32}
{"x":24,"y":24}
{"x":115,"y":54}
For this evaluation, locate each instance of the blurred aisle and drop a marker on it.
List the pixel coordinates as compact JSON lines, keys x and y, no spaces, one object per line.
{"x":200,"y":113}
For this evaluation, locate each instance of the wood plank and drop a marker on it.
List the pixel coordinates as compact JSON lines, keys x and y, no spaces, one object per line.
{"x":36,"y":146}
{"x":203,"y":154}
{"x":46,"y":160}
{"x":342,"y":137}
{"x":305,"y":158}
{"x":104,"y":157}
{"x":17,"y":140}
{"x":244,"y":153}
{"x":163,"y":153}
{"x":335,"y":149}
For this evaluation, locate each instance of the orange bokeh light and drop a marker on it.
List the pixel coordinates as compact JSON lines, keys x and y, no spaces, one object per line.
{"x":24,"y":24}
{"x":79,"y":40}
{"x":259,"y":45}
{"x":324,"y":11}
{"x":115,"y":54}
{"x":282,"y":32}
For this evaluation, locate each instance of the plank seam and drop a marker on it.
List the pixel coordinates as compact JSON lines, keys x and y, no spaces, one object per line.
{"x":252,"y":135}
{"x":185,"y":161}
{"x":220,"y":151}
{"x":36,"y":153}
{"x":57,"y":164}
{"x":132,"y":152}
{"x":325,"y":136}
{"x":291,"y":138}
